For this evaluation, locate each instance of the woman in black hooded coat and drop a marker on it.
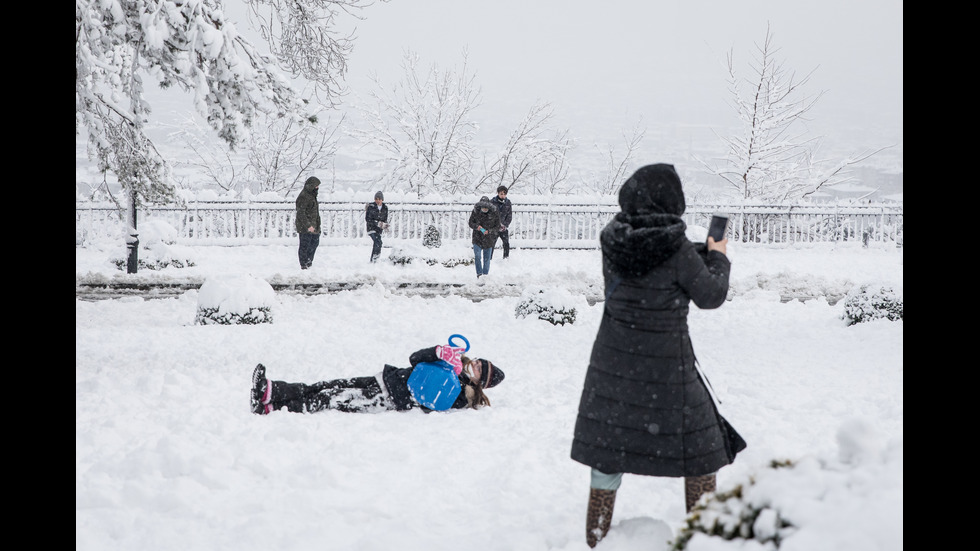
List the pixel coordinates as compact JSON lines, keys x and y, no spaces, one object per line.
{"x":644,"y":407}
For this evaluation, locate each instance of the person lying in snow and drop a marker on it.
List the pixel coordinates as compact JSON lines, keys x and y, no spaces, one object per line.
{"x":385,"y":391}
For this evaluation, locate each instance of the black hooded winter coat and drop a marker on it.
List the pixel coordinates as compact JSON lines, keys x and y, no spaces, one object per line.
{"x":644,"y":408}
{"x":489,"y":220}
{"x":307,"y":208}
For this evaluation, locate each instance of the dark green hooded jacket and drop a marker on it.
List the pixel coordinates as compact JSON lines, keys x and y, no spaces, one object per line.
{"x":307,"y":208}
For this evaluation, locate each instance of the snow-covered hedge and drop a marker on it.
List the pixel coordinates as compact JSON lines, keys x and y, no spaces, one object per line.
{"x":871,"y":302}
{"x":408,"y":254}
{"x":235,"y":300}
{"x":158,"y":249}
{"x":815,"y":502}
{"x":728,"y":516}
{"x":554,"y":305}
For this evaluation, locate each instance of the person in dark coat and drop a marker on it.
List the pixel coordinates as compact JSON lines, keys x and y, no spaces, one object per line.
{"x":386,"y":391}
{"x":308,"y":222}
{"x":485,"y":222}
{"x":376,"y":217}
{"x":506,"y":211}
{"x":644,"y":407}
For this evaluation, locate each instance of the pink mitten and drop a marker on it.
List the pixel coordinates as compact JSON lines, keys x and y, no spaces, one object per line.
{"x":451,"y":355}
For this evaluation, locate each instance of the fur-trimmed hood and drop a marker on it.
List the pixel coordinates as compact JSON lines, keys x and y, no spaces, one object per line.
{"x":635,"y":244}
{"x":649,"y":228}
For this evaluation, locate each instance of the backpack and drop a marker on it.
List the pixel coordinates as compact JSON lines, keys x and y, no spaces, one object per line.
{"x":435,"y":385}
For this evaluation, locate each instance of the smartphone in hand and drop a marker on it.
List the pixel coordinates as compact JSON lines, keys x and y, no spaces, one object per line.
{"x":718,"y":228}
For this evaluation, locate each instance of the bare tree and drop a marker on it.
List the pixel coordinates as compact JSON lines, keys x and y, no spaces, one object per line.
{"x":278,"y":156}
{"x":424,"y":128}
{"x":770,"y":160}
{"x":555,"y":178}
{"x":221,"y":167}
{"x":529,"y":156}
{"x":282,"y":156}
{"x":617,"y":163}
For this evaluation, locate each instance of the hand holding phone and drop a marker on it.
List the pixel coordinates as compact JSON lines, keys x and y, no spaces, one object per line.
{"x":718,"y":228}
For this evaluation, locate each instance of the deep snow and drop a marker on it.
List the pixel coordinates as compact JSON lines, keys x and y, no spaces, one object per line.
{"x":168,"y":455}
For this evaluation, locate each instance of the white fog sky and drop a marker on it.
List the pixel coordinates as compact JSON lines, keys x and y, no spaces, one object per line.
{"x":664,"y":61}
{"x":608,"y":66}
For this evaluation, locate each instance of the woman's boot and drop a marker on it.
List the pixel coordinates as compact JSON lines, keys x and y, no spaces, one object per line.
{"x":599,"y":516}
{"x":696,"y":486}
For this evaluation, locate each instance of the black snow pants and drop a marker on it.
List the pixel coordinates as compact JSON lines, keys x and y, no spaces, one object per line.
{"x":354,"y":395}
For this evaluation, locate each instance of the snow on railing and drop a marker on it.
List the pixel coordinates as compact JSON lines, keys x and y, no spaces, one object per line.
{"x":556,"y":225}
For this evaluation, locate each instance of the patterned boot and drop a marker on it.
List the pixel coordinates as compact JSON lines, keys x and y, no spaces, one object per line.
{"x":261,"y":391}
{"x":599,"y":515}
{"x":696,"y":486}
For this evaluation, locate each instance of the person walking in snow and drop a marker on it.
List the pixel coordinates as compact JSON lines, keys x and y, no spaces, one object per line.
{"x":485,"y":222}
{"x":308,"y":222}
{"x":506,"y":211}
{"x":644,"y":407}
{"x":385,"y":391}
{"x":376,"y":216}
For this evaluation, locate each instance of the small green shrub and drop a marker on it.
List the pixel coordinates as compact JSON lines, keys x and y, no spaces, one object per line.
{"x":213,"y":316}
{"x":872,"y":302}
{"x":156,"y":264}
{"x":402,"y":256}
{"x":728,"y":516}
{"x":156,"y":255}
{"x":238,"y":299}
{"x":552,"y":306}
{"x":431,"y":238}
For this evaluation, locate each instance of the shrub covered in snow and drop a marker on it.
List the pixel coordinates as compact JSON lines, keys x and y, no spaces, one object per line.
{"x":407,"y":254}
{"x":235,"y":300}
{"x":158,"y":249}
{"x":726,"y":515}
{"x":871,"y":302}
{"x":556,"y":306}
{"x":814,"y":499}
{"x":432,"y":239}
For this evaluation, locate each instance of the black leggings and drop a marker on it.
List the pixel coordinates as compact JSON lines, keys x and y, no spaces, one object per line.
{"x":354,"y":395}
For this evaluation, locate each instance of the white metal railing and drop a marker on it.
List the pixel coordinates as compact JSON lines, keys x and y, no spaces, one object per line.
{"x":533,"y":225}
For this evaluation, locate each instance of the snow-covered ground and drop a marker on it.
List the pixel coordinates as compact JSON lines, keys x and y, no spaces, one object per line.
{"x":168,"y":455}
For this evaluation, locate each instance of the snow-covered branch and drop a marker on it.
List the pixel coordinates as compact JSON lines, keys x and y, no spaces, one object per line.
{"x":423,"y":127}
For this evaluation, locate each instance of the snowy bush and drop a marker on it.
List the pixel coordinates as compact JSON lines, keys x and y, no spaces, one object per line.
{"x":871,"y":302}
{"x":407,"y":254}
{"x":157,"y":257}
{"x":556,"y":306}
{"x":814,"y":499}
{"x":235,"y":300}
{"x":727,"y":515}
{"x":432,"y":239}
{"x":157,"y":249}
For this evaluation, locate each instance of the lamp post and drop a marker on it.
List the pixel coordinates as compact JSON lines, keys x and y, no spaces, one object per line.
{"x":132,"y":240}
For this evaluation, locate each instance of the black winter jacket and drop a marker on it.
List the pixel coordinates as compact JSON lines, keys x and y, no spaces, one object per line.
{"x":490,"y":221}
{"x":373,"y":215}
{"x":644,"y":408}
{"x":505,"y":208}
{"x":307,"y":209}
{"x":396,"y":380}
